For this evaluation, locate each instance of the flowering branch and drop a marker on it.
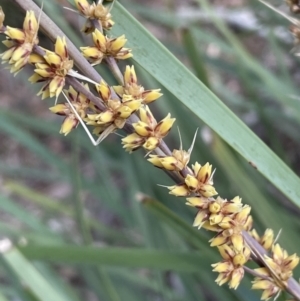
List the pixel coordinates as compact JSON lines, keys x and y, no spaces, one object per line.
{"x":127,"y":106}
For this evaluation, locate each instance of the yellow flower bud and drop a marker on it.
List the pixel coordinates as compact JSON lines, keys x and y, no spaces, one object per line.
{"x":179,"y":190}
{"x":130,"y":75}
{"x":191,"y":182}
{"x":105,"y":117}
{"x":99,"y":40}
{"x":68,"y":124}
{"x":151,"y":143}
{"x":155,"y":160}
{"x":124,"y":112}
{"x":236,"y":278}
{"x":118,"y":43}
{"x":198,"y":202}
{"x":58,"y":109}
{"x":200,"y":219}
{"x":237,"y":241}
{"x":218,"y":241}
{"x":214,"y":207}
{"x":151,"y":95}
{"x":103,"y":90}
{"x":142,"y":128}
{"x":204,"y":173}
{"x":164,"y":126}
{"x":61,"y":47}
{"x":215,"y":219}
{"x":208,"y":190}
{"x":15,"y":34}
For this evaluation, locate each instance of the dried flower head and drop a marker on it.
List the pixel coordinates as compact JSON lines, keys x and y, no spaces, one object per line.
{"x":133,"y":89}
{"x":53,"y":68}
{"x":20,"y":42}
{"x":94,"y":13}
{"x":106,"y":47}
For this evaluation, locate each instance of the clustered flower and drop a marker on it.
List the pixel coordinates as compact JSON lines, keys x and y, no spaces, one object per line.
{"x":131,"y":88}
{"x":52,"y":67}
{"x":228,"y":219}
{"x":106,"y":47}
{"x":94,"y":13}
{"x":20,"y":42}
{"x":148,"y":132}
{"x":278,"y":270}
{"x":198,"y":181}
{"x":79,"y":102}
{"x":116,"y":113}
{"x":231,"y":269}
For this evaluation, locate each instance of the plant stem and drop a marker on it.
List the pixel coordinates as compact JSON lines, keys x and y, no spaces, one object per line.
{"x":115,"y":70}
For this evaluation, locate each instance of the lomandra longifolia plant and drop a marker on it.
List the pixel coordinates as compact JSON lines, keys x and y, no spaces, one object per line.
{"x":90,"y":101}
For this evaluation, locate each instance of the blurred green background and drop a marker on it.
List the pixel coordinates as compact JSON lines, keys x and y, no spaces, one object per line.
{"x":72,"y":210}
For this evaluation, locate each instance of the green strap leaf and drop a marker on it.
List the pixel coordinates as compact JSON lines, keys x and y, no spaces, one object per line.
{"x":30,"y":276}
{"x":175,"y":77}
{"x":125,"y":257}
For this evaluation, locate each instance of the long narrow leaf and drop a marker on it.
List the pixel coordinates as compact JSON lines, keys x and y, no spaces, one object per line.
{"x":174,"y":76}
{"x":37,"y":284}
{"x":135,"y":258}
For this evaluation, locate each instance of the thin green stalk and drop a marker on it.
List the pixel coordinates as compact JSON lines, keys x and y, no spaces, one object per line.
{"x":83,"y":225}
{"x":76,"y":198}
{"x":195,"y":57}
